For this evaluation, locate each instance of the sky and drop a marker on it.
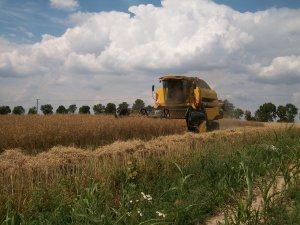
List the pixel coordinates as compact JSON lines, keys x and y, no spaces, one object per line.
{"x":88,"y":52}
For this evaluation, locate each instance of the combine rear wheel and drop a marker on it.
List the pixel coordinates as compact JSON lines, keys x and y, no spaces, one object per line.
{"x":213,"y":125}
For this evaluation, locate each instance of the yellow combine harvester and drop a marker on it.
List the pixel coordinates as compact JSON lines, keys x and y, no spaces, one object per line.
{"x":187,"y":98}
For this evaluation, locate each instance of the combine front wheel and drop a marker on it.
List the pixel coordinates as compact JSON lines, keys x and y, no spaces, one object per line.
{"x":195,"y":121}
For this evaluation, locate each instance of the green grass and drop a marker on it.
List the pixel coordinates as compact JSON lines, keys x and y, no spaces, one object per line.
{"x":180,"y":189}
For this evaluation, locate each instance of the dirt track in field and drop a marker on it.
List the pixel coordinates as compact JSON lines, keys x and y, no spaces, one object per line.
{"x":258,"y":200}
{"x":256,"y":204}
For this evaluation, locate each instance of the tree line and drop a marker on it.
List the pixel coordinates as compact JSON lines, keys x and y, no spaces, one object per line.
{"x":47,"y":109}
{"x":267,"y":112}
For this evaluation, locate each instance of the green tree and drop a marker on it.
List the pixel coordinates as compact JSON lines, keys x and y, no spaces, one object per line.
{"x":238,"y":113}
{"x":98,"y":109}
{"x":123,"y":106}
{"x":138,"y":105}
{"x":248,"y":116}
{"x":61,"y":110}
{"x":149,"y":108}
{"x":110,"y":108}
{"x":292,"y":112}
{"x":282,"y":113}
{"x":32,"y":111}
{"x":228,"y":109}
{"x":47,"y":109}
{"x":85,"y":109}
{"x":4,"y":110}
{"x":18,"y":110}
{"x":123,"y":109}
{"x":72,"y":108}
{"x":266,"y":112}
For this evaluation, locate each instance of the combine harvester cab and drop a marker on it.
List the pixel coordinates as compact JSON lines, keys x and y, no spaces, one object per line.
{"x":187,"y":98}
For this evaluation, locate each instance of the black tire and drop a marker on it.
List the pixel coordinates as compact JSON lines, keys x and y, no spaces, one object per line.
{"x":192,"y":125}
{"x":213,"y":125}
{"x":194,"y":129}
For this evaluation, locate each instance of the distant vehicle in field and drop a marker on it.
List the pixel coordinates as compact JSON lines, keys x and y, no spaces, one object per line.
{"x":188,"y":98}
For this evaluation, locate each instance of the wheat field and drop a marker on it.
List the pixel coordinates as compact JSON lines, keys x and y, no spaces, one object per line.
{"x":38,"y":133}
{"x":35,"y":133}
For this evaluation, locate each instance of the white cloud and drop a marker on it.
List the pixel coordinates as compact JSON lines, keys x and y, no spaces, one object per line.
{"x":191,"y":36}
{"x":69,"y":5}
{"x":6,"y":46}
{"x":284,"y":69}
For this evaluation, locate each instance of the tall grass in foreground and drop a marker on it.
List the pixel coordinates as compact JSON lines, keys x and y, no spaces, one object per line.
{"x":184,"y":187}
{"x":37,"y":133}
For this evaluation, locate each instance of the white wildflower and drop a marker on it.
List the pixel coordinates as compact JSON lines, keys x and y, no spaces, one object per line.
{"x":149,"y":197}
{"x":146,"y":196}
{"x":140,"y":213}
{"x":161,"y":214}
{"x":272,"y":147}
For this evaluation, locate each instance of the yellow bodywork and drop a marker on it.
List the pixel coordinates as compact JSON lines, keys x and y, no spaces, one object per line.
{"x":201,"y":98}
{"x":160,"y":98}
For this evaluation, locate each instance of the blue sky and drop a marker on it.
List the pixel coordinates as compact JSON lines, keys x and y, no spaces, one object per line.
{"x":82,"y":51}
{"x":24,"y":21}
{"x":255,"y":5}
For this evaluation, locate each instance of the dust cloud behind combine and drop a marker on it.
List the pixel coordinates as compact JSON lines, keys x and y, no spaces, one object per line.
{"x":234,"y":123}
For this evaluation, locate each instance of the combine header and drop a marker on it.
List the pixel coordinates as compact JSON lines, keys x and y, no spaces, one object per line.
{"x":187,"y":98}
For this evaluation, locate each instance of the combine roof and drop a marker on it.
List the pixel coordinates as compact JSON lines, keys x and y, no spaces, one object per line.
{"x":201,"y":83}
{"x":170,"y":77}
